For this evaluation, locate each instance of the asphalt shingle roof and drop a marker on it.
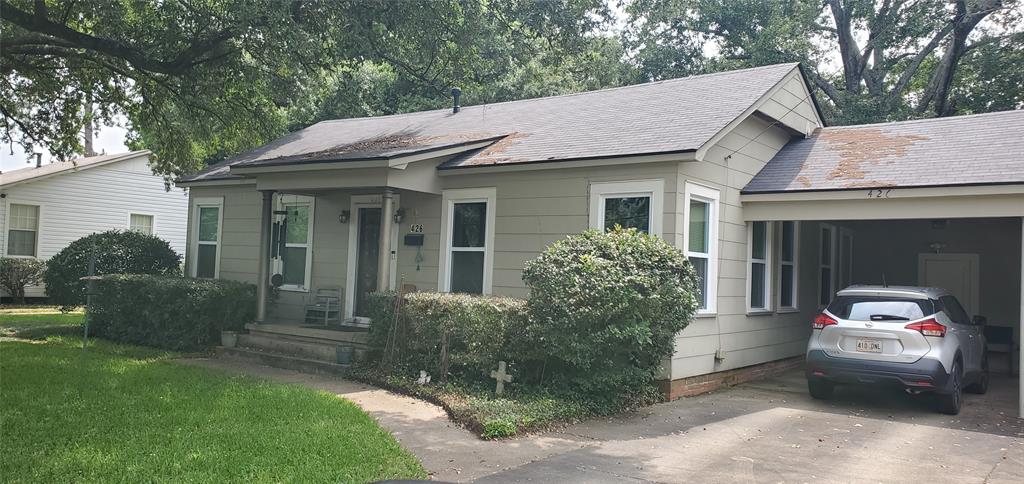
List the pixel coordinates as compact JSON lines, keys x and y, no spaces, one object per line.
{"x":960,"y":150}
{"x":22,"y":175}
{"x":668,"y":116}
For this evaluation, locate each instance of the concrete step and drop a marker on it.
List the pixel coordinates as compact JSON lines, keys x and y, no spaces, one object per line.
{"x":278,"y":360}
{"x":323,"y":351}
{"x":315,"y":335}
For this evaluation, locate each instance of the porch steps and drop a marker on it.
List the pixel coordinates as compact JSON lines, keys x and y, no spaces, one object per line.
{"x":277,"y":360}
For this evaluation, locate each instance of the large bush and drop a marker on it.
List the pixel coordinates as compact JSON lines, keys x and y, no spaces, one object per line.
{"x":117,"y":252}
{"x":17,"y":272}
{"x":605,"y":308}
{"x":176,"y":313}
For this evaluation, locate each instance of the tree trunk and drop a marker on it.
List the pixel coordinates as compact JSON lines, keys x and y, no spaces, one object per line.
{"x":88,"y":129}
{"x":937,"y":92}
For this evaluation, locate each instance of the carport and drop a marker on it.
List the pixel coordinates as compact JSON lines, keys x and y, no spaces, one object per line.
{"x":934,"y":202}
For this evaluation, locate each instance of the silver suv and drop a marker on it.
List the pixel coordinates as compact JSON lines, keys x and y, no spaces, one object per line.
{"x":919,"y":338}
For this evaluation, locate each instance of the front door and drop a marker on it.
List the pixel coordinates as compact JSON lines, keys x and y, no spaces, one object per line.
{"x":367,"y":258}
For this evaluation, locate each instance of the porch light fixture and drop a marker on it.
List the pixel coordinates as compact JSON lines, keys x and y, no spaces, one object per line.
{"x":399,"y":215}
{"x":343,"y":216}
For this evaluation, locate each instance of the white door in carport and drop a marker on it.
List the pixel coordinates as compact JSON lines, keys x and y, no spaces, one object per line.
{"x":957,"y":273}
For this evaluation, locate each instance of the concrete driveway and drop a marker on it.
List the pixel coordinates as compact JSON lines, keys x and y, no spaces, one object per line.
{"x":768,"y":431}
{"x":772,"y":431}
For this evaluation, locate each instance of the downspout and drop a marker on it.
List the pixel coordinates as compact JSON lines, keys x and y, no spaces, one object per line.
{"x":263,"y":257}
{"x":387,"y":210}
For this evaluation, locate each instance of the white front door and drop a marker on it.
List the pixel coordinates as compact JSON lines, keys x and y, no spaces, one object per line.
{"x":957,"y":273}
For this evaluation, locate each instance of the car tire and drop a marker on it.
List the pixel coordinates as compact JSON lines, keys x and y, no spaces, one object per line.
{"x":980,"y":386}
{"x":820,"y":390}
{"x":950,"y":401}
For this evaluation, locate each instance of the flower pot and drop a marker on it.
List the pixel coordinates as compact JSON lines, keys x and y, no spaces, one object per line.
{"x":229,"y":339}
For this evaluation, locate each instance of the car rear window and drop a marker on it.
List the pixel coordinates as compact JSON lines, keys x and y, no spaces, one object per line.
{"x":877,"y":308}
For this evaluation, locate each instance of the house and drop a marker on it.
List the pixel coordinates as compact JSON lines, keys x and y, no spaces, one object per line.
{"x":46,"y":207}
{"x":775,"y":210}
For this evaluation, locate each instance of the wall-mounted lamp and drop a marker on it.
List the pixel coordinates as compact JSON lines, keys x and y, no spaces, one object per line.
{"x":399,"y":215}
{"x":343,"y":216}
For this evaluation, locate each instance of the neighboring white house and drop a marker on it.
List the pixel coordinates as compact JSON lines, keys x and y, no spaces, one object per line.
{"x":44,"y":208}
{"x":776,"y":211}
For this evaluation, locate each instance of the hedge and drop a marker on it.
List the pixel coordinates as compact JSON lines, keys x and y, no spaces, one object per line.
{"x":175,"y":313}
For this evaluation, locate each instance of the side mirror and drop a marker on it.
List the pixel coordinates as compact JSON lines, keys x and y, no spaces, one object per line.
{"x":980,"y":320}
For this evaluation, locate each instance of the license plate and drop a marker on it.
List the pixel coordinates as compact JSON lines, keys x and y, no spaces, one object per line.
{"x":869,"y":345}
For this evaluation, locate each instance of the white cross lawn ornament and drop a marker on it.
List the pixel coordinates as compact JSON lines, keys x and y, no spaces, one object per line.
{"x":502,"y":378}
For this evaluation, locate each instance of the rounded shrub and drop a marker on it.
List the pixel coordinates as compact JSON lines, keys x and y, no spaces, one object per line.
{"x":117,"y":252}
{"x":605,"y":309}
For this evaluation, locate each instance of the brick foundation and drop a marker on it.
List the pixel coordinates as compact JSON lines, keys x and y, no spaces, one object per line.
{"x":696,"y":385}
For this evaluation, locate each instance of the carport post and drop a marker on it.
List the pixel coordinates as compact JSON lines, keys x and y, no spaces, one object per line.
{"x":1020,"y":332}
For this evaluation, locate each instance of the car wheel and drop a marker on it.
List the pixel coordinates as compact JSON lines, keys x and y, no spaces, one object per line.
{"x":950,"y":401}
{"x":820,"y":390}
{"x":981,"y":385}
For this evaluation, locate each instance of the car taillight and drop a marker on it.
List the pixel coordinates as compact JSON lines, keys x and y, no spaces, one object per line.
{"x":823,"y":320}
{"x":928,"y":327}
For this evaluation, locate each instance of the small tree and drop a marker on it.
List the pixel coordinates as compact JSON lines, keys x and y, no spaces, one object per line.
{"x":116,"y":252}
{"x":16,"y":273}
{"x":605,"y":308}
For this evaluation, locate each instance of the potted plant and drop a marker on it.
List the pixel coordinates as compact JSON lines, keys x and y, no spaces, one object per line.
{"x":229,"y":339}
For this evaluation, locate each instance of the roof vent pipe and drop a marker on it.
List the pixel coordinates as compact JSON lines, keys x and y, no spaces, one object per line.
{"x":456,"y":93}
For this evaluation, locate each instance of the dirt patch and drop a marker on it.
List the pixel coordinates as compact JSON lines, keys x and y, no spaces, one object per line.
{"x":867,"y":145}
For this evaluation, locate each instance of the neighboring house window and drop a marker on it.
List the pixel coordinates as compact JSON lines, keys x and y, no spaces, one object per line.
{"x":22,"y":230}
{"x":788,"y":265}
{"x":631,"y":204}
{"x":141,"y":223}
{"x":296,"y":258}
{"x":468,"y":246}
{"x":700,"y":236}
{"x":759,"y":249}
{"x":826,"y":265}
{"x":208,"y":217}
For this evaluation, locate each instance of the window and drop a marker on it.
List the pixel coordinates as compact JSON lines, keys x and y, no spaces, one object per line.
{"x":468,"y":245}
{"x":631,"y":204}
{"x":788,"y":265}
{"x":826,"y":271}
{"x":700,"y":236}
{"x":22,"y":230}
{"x":759,"y":249}
{"x":140,"y":223}
{"x":295,"y":259}
{"x":954,"y":310}
{"x":207,"y":216}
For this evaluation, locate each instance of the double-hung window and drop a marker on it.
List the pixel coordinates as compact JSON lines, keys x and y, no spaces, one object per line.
{"x":294,"y":262}
{"x":22,"y":230}
{"x":826,"y":264}
{"x":208,"y":218}
{"x":629,"y":204}
{"x":788,"y":265}
{"x":142,"y":223}
{"x":759,"y":250}
{"x":468,"y":240}
{"x":700,"y":239}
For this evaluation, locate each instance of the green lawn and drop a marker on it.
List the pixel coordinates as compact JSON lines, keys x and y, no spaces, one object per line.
{"x":34,"y":320}
{"x":127,"y":414}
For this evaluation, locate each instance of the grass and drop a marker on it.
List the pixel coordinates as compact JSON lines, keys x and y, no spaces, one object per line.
{"x":127,"y":414}
{"x":40,"y":325}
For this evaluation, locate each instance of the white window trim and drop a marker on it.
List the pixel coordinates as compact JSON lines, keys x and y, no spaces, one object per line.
{"x":767,"y":262}
{"x":146,"y":214}
{"x":198,"y":203}
{"x":601,"y":191}
{"x":448,"y":200}
{"x":7,"y":228}
{"x":278,"y":264}
{"x":833,"y":280}
{"x":693,"y":191}
{"x":352,"y":265}
{"x":795,"y":264}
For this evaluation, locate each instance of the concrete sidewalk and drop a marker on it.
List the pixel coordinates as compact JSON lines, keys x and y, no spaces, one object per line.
{"x":769,"y":431}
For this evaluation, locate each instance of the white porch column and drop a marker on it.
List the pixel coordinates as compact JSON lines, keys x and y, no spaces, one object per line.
{"x":1020,"y":360}
{"x":263,"y":257}
{"x":387,"y":213}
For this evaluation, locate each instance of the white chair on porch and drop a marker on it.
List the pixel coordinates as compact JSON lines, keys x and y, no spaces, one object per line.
{"x":325,"y":306}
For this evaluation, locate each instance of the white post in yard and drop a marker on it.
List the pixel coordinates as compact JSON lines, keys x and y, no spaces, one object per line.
{"x":263,"y":259}
{"x":387,"y":214}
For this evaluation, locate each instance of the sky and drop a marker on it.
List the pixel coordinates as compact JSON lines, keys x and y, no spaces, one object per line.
{"x":108,"y":139}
